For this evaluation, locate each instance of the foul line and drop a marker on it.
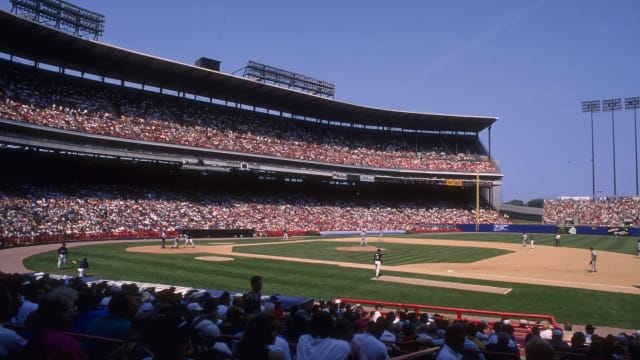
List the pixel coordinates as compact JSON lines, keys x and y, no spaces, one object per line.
{"x":448,"y":285}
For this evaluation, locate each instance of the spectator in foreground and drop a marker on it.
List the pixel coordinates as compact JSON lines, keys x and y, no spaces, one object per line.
{"x":10,"y":342}
{"x":116,"y":324}
{"x":260,"y":333}
{"x":318,"y":343}
{"x":538,"y":349}
{"x":454,"y":338}
{"x":368,"y":342}
{"x":55,"y":314}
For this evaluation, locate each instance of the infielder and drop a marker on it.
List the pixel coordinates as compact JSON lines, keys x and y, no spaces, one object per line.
{"x":363,"y":238}
{"x":82,"y":268}
{"x":188,"y":240}
{"x":524,"y":239}
{"x":594,"y":257}
{"x":377,"y":261}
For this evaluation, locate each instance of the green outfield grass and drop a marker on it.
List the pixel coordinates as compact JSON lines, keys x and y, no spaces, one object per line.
{"x":317,"y":281}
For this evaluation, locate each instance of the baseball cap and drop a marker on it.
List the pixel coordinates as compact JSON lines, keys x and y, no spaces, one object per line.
{"x":194,"y":307}
{"x":589,"y":327}
{"x":145,"y":307}
{"x":557,"y":332}
{"x":207,"y":330}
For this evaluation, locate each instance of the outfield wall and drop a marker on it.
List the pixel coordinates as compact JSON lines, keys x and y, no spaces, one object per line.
{"x":552,"y":229}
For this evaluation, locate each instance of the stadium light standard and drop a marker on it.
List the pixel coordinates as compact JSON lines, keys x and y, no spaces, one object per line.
{"x":477,"y":201}
{"x":634,"y":103}
{"x":613,"y":105}
{"x":592,"y":106}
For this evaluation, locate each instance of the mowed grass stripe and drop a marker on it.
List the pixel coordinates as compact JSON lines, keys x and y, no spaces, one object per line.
{"x":619,"y":244}
{"x":394,"y":254}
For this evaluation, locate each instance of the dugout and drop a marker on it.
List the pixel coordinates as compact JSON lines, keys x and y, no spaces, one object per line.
{"x":218,"y":233}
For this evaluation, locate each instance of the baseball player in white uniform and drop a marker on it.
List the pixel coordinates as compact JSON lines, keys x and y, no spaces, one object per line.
{"x":363,"y":238}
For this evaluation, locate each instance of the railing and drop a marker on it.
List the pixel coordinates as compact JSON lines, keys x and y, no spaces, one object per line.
{"x":457,"y":311}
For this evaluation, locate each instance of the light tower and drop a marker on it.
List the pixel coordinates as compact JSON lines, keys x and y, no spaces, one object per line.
{"x":634,"y":103}
{"x":592,"y":106}
{"x":613,"y":105}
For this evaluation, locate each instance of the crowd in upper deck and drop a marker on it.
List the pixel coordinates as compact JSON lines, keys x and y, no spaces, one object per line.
{"x":87,"y":106}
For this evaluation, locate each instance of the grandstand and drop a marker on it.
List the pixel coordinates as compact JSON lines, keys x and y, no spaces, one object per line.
{"x":109,"y":143}
{"x":69,"y":103}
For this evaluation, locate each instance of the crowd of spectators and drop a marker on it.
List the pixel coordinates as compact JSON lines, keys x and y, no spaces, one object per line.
{"x":63,"y":102}
{"x":44,"y":317}
{"x":30,"y":213}
{"x":619,"y":211}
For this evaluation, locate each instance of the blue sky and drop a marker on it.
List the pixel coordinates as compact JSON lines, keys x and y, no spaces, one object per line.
{"x":528,"y":63}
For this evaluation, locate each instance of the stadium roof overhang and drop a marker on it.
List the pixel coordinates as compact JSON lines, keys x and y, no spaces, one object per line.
{"x":43,"y":44}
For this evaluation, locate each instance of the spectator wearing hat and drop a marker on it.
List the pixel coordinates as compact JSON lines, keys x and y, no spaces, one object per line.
{"x":194,"y":309}
{"x":204,"y":339}
{"x":559,"y":345}
{"x":577,"y":344}
{"x":589,"y":331}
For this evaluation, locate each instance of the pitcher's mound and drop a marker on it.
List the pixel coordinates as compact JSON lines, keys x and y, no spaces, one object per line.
{"x":213,"y":258}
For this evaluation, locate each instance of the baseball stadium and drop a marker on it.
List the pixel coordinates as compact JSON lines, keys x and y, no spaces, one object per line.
{"x":179,"y":183}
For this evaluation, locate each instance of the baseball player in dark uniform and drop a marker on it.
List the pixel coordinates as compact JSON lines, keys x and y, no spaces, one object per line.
{"x":63,"y":252}
{"x":377,"y":261}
